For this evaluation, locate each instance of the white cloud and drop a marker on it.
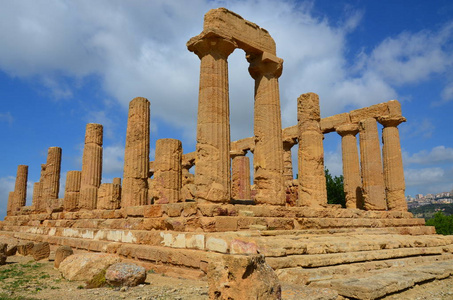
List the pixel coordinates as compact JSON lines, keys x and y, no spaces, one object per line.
{"x":429,"y":180}
{"x":437,"y":155}
{"x":113,"y":160}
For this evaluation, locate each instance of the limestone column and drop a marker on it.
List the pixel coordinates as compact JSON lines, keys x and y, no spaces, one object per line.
{"x":51,"y":177}
{"x":312,"y":179}
{"x":212,"y":172}
{"x":372,"y":175}
{"x":393,"y":163}
{"x":109,"y":196}
{"x":20,"y":188}
{"x":351,"y":165}
{"x":91,"y":167}
{"x":288,"y":160}
{"x":10,"y":206}
{"x":72,"y":190}
{"x":240,"y":185}
{"x":134,"y":191}
{"x":167,"y":171}
{"x":268,"y":155}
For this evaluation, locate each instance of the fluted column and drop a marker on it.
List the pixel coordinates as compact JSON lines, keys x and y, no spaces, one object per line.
{"x":312,"y":179}
{"x":268,"y":155}
{"x":36,"y":195}
{"x":91,"y":166}
{"x":20,"y":188}
{"x":212,"y":172}
{"x":372,"y":175}
{"x":167,"y":171}
{"x":136,"y":155}
{"x":10,"y":205}
{"x":72,"y":190}
{"x":288,"y":160}
{"x":351,"y":165}
{"x":393,"y":163}
{"x":51,"y":177}
{"x":38,"y":203}
{"x":109,"y":196}
{"x":240,"y":185}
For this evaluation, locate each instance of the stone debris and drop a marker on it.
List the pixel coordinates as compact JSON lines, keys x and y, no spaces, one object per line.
{"x":40,"y":251}
{"x":61,"y":254}
{"x":25,"y":248}
{"x":85,"y":267}
{"x":125,"y":274}
{"x":3,"y":254}
{"x":242,"y":277}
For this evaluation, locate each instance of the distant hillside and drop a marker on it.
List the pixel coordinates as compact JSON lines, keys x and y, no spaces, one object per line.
{"x":427,"y":211}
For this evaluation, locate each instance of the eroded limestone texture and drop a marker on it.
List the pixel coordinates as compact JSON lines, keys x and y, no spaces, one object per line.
{"x":351,"y":166}
{"x":136,"y":155}
{"x":372,"y":175}
{"x":72,"y":190}
{"x":212,"y":173}
{"x":393,"y":163}
{"x":109,"y":196}
{"x":167,"y":171}
{"x":20,"y":188}
{"x":268,"y":156}
{"x":91,"y":166}
{"x":10,"y":205}
{"x":240,"y":185}
{"x":312,"y":180}
{"x":51,"y":178}
{"x":38,"y":203}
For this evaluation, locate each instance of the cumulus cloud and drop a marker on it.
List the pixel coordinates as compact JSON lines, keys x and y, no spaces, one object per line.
{"x":437,"y":155}
{"x":113,"y":160}
{"x":429,"y":180}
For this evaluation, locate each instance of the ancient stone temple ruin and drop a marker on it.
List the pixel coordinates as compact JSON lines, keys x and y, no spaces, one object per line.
{"x":178,"y":222}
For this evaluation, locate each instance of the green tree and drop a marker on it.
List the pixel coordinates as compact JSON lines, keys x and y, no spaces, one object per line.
{"x":443,"y":223}
{"x":335,"y":189}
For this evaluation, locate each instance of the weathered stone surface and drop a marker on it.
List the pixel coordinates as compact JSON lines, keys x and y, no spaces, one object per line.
{"x":109,"y":196}
{"x":91,"y":166}
{"x":212,"y":173}
{"x":240,"y":184}
{"x":136,"y":155}
{"x":51,"y":177}
{"x":10,"y":204}
{"x":25,"y":248}
{"x":351,"y":165}
{"x":61,"y":254}
{"x":3,"y":254}
{"x":268,"y":178}
{"x":372,"y":173}
{"x":242,"y":277}
{"x":86,"y":266}
{"x":312,"y":180}
{"x":167,"y":180}
{"x":288,"y":159}
{"x":72,"y":190}
{"x":393,"y":162}
{"x":125,"y":274}
{"x":329,"y":124}
{"x":40,"y":251}
{"x":20,"y":188}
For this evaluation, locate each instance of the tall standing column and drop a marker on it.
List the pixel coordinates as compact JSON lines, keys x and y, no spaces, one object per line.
{"x":371,"y":162}
{"x":20,"y":188}
{"x":351,"y":165}
{"x":167,"y":171}
{"x":134,"y":191}
{"x":312,"y":179}
{"x":268,"y":155}
{"x":288,"y":160}
{"x":212,"y":172}
{"x":37,"y":201}
{"x":240,"y":185}
{"x":51,"y":177}
{"x":393,"y":163}
{"x":91,"y":167}
{"x":72,"y":190}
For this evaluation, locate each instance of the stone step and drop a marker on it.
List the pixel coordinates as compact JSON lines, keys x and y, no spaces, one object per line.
{"x":218,"y":223}
{"x":305,"y":276}
{"x":323,"y":260}
{"x":377,"y":284}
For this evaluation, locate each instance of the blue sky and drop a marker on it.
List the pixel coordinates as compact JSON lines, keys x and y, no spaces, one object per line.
{"x":64,"y":64}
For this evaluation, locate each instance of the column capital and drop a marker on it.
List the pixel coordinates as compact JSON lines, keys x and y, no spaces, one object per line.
{"x":391,"y":121}
{"x":264,"y":64}
{"x":347,"y":129}
{"x":211,"y":43}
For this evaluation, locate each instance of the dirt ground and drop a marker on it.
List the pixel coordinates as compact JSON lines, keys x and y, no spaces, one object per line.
{"x":23,"y":278}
